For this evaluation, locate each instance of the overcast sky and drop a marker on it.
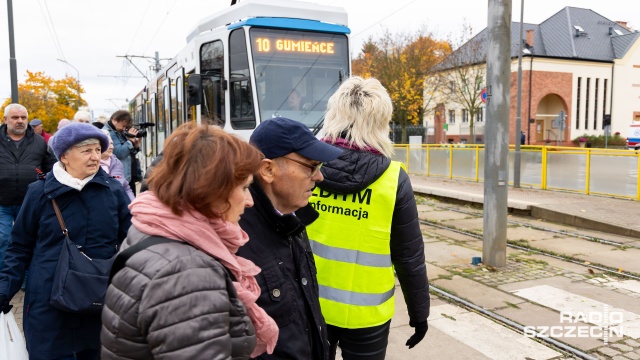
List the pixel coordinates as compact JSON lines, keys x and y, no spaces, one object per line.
{"x":91,"y":34}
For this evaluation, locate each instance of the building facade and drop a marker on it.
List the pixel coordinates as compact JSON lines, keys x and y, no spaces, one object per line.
{"x":577,"y":63}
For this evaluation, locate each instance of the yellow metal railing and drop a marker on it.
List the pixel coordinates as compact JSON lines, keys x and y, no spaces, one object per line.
{"x":585,"y":170}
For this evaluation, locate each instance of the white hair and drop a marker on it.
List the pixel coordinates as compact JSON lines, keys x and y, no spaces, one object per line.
{"x":82,"y":115}
{"x":8,"y":108}
{"x":360,"y":112}
{"x":89,"y":141}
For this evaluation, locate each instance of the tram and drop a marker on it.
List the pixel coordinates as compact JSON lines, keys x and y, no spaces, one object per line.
{"x":255,"y":60}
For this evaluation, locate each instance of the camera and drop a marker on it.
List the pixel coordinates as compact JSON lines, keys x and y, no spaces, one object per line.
{"x":141,"y":130}
{"x":140,"y":134}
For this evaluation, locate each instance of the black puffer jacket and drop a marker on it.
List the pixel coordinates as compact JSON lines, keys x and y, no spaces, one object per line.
{"x":279,"y":245}
{"x":18,"y":166}
{"x":354,"y":171}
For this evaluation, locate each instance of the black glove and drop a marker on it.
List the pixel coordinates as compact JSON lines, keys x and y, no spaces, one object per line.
{"x":421,"y":331}
{"x":5,"y":307}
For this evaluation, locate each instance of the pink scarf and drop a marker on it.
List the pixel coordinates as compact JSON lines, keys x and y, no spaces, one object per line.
{"x":219,"y":239}
{"x":343,"y":143}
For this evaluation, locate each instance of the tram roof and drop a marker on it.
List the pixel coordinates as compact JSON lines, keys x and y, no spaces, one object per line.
{"x":271,"y":8}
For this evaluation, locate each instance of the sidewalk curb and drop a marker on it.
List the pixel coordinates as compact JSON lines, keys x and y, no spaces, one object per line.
{"x":581,"y":222}
{"x":538,"y":211}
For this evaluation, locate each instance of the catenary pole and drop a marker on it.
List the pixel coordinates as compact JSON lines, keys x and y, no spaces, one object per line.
{"x":13,"y":67}
{"x":518,"y":135}
{"x":496,"y":172}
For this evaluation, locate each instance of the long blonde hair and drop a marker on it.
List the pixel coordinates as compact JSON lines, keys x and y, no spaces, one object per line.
{"x":360,"y":111}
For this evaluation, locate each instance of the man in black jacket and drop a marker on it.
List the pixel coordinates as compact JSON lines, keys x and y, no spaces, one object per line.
{"x":278,"y":241}
{"x":21,"y":152}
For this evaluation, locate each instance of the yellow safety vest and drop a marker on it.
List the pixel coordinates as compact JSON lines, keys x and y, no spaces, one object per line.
{"x":350,"y":242}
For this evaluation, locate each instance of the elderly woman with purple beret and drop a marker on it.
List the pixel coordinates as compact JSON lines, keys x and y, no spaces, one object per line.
{"x":95,"y":210}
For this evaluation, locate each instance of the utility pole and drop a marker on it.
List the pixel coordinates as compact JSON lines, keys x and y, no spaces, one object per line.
{"x":157,"y":67}
{"x":518,"y":135}
{"x":13,"y":67}
{"x":496,"y":154}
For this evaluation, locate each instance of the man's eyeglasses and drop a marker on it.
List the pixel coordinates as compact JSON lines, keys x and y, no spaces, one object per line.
{"x":314,"y":168}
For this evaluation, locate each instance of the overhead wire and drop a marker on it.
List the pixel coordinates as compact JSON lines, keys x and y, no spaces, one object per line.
{"x":125,"y":74}
{"x":52,"y":29}
{"x":135,"y":34}
{"x":166,"y":15}
{"x":383,"y":19}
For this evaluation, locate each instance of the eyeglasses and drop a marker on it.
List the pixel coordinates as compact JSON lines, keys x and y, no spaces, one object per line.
{"x":314,"y":168}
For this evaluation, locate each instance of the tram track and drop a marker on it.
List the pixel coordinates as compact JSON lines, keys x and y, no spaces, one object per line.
{"x":469,"y":233}
{"x":503,"y":321}
{"x":556,"y":231}
{"x":566,"y":258}
{"x":548,"y":341}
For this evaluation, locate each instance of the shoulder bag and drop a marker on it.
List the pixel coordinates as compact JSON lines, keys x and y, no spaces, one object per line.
{"x":79,"y":282}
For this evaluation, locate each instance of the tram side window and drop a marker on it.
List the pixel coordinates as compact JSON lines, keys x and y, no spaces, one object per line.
{"x":173,"y":95}
{"x":160,"y":123}
{"x":212,"y":110}
{"x":242,"y":109}
{"x":152,"y":118}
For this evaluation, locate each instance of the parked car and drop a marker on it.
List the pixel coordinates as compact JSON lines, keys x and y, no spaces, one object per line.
{"x":633,"y":136}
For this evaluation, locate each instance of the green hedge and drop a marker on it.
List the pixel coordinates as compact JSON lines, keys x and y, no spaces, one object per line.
{"x":599,"y":140}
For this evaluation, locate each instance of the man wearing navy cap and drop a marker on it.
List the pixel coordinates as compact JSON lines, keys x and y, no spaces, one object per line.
{"x":278,"y":241}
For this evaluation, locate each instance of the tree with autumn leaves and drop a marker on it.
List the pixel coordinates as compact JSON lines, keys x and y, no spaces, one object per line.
{"x":49,"y":99}
{"x":458,"y":81}
{"x":401,"y":62}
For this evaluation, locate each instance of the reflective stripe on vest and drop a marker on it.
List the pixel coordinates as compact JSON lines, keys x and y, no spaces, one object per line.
{"x":354,"y":298}
{"x":350,"y":256}
{"x":350,"y":242}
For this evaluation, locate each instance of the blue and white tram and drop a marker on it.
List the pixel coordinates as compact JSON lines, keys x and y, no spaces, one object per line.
{"x":241,"y":66}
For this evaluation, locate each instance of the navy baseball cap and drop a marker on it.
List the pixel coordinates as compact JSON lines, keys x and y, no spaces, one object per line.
{"x":280,"y":136}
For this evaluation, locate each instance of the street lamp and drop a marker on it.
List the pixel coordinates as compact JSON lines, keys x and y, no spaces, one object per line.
{"x":77,"y":77}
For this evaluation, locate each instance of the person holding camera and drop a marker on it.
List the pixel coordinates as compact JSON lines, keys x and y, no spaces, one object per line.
{"x":126,"y":143}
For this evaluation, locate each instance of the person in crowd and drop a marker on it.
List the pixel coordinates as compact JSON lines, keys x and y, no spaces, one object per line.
{"x":125,"y":143}
{"x":100,"y":121}
{"x":82,"y":116}
{"x":279,"y":246}
{"x":38,"y":128}
{"x":192,"y":298}
{"x":62,"y":123}
{"x":381,"y":227}
{"x":205,"y":120}
{"x":22,"y":151}
{"x":95,"y":212}
{"x":294,"y":101}
{"x":113,"y":167}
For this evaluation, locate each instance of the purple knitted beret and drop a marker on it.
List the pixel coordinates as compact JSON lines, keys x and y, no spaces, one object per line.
{"x":75,"y":133}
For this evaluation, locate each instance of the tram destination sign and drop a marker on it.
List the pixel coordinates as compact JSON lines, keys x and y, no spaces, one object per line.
{"x":278,"y":44}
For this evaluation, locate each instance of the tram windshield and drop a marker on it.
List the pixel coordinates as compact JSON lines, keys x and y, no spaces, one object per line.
{"x":297,"y":71}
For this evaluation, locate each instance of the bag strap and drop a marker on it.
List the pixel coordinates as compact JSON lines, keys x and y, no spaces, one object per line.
{"x":65,"y":232}
{"x":127,"y":253}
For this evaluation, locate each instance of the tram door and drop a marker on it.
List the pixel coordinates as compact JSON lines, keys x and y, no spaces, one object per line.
{"x":213,"y":107}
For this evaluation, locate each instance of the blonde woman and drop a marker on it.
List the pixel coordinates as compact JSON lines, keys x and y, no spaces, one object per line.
{"x":376,"y":231}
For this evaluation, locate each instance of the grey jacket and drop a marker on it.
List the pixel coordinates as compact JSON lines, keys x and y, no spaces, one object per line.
{"x":172,"y":301}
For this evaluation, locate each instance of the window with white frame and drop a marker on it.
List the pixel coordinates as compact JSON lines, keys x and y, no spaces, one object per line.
{"x":480,"y":115}
{"x":452,"y":116}
{"x":465,"y":115}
